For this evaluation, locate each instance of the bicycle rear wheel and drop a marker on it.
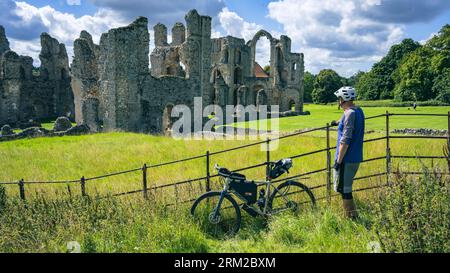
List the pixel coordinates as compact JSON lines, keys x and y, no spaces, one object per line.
{"x":223,"y":224}
{"x":291,"y":196}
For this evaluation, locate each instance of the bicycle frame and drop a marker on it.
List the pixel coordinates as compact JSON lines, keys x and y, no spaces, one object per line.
{"x":268,"y":186}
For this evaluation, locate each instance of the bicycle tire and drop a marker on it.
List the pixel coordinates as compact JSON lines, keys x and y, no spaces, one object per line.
{"x":309,"y":197}
{"x":209,"y":195}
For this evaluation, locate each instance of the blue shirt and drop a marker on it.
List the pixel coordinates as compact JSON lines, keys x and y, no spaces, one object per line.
{"x":351,"y":132}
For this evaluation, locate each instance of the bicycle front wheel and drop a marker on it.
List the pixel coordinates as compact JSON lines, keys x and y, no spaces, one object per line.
{"x":291,"y":196}
{"x":223,"y":223}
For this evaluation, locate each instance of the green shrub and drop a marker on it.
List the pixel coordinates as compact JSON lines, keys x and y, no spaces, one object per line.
{"x":413,"y":215}
{"x":3,"y":198}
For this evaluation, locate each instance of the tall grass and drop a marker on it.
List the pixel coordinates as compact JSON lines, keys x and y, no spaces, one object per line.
{"x":134,"y":225}
{"x":413,"y":214}
{"x":410,"y":217}
{"x":52,"y":217}
{"x":64,"y":158}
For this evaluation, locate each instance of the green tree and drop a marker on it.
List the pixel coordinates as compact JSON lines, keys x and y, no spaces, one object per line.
{"x":354,"y":79}
{"x":441,"y":86}
{"x":367,"y":86}
{"x":440,"y":43}
{"x":423,"y":73}
{"x":379,"y":83}
{"x":308,"y":86}
{"x":416,"y":76}
{"x":325,"y":84}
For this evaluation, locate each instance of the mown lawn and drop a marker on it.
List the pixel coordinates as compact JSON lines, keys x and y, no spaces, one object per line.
{"x":323,"y":114}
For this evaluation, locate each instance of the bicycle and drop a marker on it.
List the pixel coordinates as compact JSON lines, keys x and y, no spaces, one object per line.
{"x":220,"y":214}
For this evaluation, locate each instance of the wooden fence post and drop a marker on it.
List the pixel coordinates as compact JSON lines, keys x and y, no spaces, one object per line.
{"x":388,"y":151}
{"x":144,"y":180}
{"x":448,"y":133}
{"x":22,"y":189}
{"x":83,"y":186}
{"x":448,"y":140}
{"x":208,"y":174}
{"x":328,"y":166}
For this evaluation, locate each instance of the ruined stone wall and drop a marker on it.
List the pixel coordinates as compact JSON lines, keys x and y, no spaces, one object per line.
{"x":85,"y":81}
{"x":24,"y":96}
{"x":123,"y":69}
{"x":113,"y":85}
{"x":160,"y":95}
{"x":233,"y":62}
{"x":55,"y":71}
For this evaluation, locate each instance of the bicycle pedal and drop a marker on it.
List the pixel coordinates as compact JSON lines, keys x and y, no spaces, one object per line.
{"x":251,"y":211}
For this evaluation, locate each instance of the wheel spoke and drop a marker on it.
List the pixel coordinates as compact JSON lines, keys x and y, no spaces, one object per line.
{"x":226,"y":222}
{"x":291,"y":197}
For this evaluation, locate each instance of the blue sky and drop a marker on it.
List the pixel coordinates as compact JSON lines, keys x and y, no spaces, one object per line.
{"x":345,"y":35}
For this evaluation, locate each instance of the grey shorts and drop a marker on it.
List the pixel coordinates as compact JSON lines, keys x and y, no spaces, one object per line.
{"x":343,"y":179}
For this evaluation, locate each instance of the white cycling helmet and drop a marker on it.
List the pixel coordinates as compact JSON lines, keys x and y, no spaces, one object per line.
{"x":347,"y":93}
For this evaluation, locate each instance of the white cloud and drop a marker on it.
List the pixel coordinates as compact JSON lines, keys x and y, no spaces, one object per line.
{"x":236,"y":26}
{"x":334,"y":34}
{"x":167,"y":12}
{"x":27,"y":48}
{"x":65,"y":27}
{"x":24,"y":22}
{"x":73,"y":2}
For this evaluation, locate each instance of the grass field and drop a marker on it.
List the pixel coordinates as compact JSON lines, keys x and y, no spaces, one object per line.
{"x":130,"y":224}
{"x":67,"y":158}
{"x":323,"y":114}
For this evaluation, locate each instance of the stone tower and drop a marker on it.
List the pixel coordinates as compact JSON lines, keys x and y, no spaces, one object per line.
{"x":85,"y":81}
{"x":123,"y":68}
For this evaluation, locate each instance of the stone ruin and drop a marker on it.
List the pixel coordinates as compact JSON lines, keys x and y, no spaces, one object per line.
{"x":114,"y":88}
{"x":111,"y":87}
{"x":29,"y":94}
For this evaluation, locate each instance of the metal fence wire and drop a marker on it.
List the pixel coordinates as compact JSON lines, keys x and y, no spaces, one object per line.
{"x":207,"y":178}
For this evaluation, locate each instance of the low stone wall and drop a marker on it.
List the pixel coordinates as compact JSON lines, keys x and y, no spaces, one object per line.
{"x":420,"y":131}
{"x":33,"y":132}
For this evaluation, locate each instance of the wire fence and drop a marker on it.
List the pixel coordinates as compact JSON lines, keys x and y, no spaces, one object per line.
{"x":207,"y":178}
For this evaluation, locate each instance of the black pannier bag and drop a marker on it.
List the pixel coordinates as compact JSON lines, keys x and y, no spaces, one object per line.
{"x":246,"y":189}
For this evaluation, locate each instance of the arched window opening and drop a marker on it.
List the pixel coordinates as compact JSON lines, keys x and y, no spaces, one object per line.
{"x":262,"y":53}
{"x":238,"y":56}
{"x":22,"y":73}
{"x":238,"y":76}
{"x":64,"y":74}
{"x":44,"y":73}
{"x":292,"y":106}
{"x":226,"y":56}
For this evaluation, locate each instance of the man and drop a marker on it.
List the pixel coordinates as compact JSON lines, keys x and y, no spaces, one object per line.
{"x":349,"y":147}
